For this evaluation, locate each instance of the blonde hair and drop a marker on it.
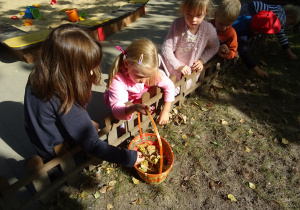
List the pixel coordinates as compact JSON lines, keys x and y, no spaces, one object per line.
{"x":294,"y":11}
{"x":228,"y":10}
{"x":133,"y":54}
{"x":196,"y":5}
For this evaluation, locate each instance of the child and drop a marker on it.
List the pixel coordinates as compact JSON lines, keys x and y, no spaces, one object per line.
{"x":287,"y":15}
{"x":58,"y":89}
{"x":191,"y":41}
{"x":226,"y":13}
{"x":134,"y":71}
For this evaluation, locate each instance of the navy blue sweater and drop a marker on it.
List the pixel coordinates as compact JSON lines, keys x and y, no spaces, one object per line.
{"x":46,"y":128}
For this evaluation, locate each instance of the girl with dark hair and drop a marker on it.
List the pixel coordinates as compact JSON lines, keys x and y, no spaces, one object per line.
{"x":58,"y":89}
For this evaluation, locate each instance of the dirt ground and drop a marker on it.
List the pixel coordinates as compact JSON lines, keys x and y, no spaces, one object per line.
{"x":53,"y":15}
{"x":241,"y":138}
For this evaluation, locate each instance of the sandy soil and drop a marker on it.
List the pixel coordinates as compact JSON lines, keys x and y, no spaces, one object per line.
{"x":52,"y":16}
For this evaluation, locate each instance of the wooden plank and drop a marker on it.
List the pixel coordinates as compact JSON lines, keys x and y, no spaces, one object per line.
{"x":28,"y":39}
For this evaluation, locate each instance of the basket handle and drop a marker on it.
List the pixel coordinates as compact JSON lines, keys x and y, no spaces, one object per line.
{"x":159,"y":141}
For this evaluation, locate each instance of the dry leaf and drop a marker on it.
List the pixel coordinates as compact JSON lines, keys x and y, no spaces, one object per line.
{"x":137,"y":202}
{"x":284,"y":141}
{"x":187,"y":143}
{"x":231,"y":197}
{"x":112,"y":183}
{"x":184,"y":136}
{"x":109,"y":206}
{"x":250,"y":132}
{"x":73,"y":196}
{"x":224,"y":122}
{"x":212,"y":185}
{"x":104,"y":189}
{"x":204,"y":109}
{"x":251,"y":185}
{"x":135,"y":181}
{"x":242,"y":121}
{"x":247,"y":149}
{"x":97,"y":194}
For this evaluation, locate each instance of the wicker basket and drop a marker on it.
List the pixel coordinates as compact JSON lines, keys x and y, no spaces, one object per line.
{"x":162,"y":145}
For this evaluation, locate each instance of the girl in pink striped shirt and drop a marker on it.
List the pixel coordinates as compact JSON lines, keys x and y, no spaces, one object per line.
{"x":134,"y":71}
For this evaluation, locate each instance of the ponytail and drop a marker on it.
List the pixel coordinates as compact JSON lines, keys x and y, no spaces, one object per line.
{"x":115,"y":68}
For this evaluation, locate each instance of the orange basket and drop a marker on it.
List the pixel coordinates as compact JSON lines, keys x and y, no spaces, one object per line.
{"x":166,"y":153}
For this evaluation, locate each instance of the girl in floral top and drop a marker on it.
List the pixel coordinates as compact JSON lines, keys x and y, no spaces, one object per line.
{"x":191,"y":40}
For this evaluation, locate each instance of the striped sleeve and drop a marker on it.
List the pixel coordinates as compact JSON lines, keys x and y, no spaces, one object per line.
{"x":280,"y":13}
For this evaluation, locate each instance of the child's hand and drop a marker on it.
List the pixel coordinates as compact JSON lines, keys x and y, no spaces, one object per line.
{"x":141,"y":108}
{"x":140,"y":157}
{"x":163,"y":118}
{"x":260,"y":72}
{"x":223,"y":51}
{"x":198,"y":65}
{"x":293,"y":56}
{"x":185,"y":70}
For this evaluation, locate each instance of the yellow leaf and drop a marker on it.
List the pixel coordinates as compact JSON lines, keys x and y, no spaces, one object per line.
{"x":284,"y":141}
{"x":242,"y":121}
{"x":135,"y":181}
{"x":247,"y":149}
{"x":251,"y":185}
{"x":97,"y":194}
{"x":108,"y":170}
{"x":184,"y":136}
{"x":83,"y":194}
{"x":73,"y":196}
{"x":109,"y":206}
{"x":250,"y":131}
{"x":231,"y":197}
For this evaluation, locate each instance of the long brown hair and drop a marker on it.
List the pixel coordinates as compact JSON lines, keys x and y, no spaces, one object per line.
{"x":133,"y":53}
{"x":67,"y":57}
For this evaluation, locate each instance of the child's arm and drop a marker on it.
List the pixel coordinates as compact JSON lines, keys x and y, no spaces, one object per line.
{"x":212,"y":45}
{"x":171,"y":42}
{"x":260,"y":72}
{"x":169,"y":96}
{"x":164,"y":115}
{"x":223,"y":51}
{"x":289,"y":52}
{"x":129,"y":110}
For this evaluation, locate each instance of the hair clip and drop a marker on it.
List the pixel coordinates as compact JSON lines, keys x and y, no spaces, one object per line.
{"x":141,"y":59}
{"x":120,"y":49}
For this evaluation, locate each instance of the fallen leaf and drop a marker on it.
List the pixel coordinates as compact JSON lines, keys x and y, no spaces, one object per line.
{"x":73,"y":196}
{"x":242,"y":121}
{"x":224,"y":122}
{"x":284,"y":141}
{"x":112,"y":183}
{"x":251,"y":185}
{"x":212,"y":185}
{"x":108,"y":170}
{"x":184,"y":136}
{"x":104,"y":189}
{"x":109,"y":206}
{"x":250,"y":132}
{"x":97,"y":194}
{"x":247,"y":149}
{"x":231,"y":197}
{"x":187,"y":143}
{"x":204,"y":109}
{"x":83,"y":194}
{"x":135,"y":181}
{"x":137,"y":202}
{"x":217,"y":144}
